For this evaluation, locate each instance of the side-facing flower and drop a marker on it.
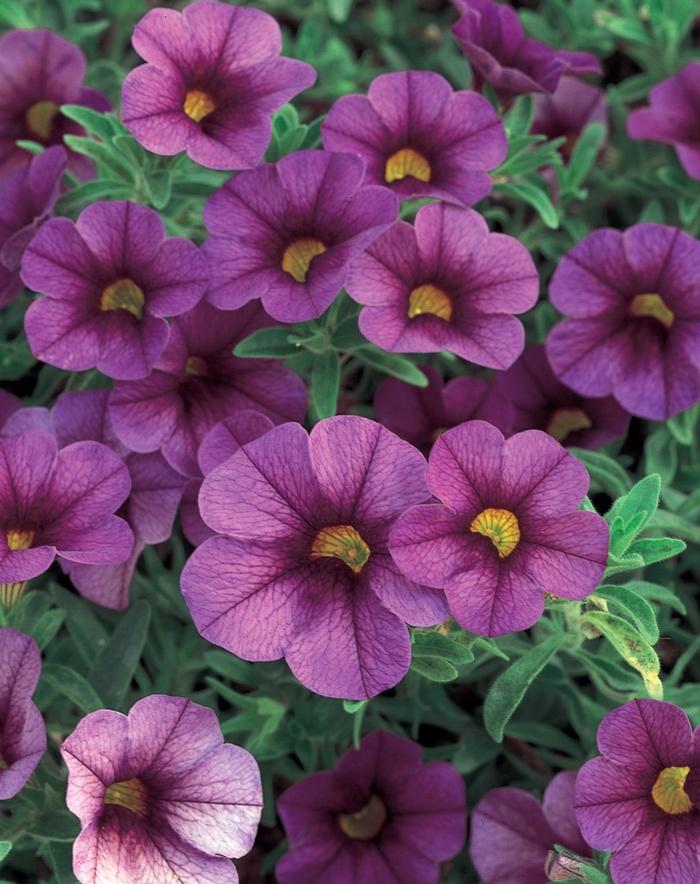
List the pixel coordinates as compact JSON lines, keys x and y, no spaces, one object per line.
{"x":213,"y":80}
{"x":380,"y":815}
{"x":159,"y":795}
{"x":446,"y":284}
{"x":420,"y":138}
{"x":109,"y":280}
{"x":566,"y":113}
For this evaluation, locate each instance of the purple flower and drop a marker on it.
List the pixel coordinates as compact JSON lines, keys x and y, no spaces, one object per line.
{"x":673,"y":117}
{"x":506,"y":528}
{"x":287,"y":233}
{"x":197,"y":383}
{"x":420,"y":138}
{"x":634,"y":326}
{"x":492,"y":37}
{"x":40,"y":71}
{"x":422,"y":414}
{"x":22,"y":732}
{"x":380,"y":815}
{"x":641,"y":799}
{"x":540,"y":402}
{"x":512,"y":833}
{"x":9,"y":404}
{"x":109,"y":280}
{"x":446,"y":284}
{"x":303,"y":570}
{"x":159,"y":795}
{"x":213,"y":80}
{"x":568,"y":111}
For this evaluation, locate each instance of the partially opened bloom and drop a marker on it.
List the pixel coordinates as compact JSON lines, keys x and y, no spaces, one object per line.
{"x":673,"y":117}
{"x":641,"y":798}
{"x":446,"y":284}
{"x":380,"y":816}
{"x":159,"y":795}
{"x":109,"y":279}
{"x":22,"y":731}
{"x":302,"y":569}
{"x":213,"y":80}
{"x":420,"y":138}
{"x":506,"y":529}
{"x":633,"y":329}
{"x":286,"y":233}
{"x":568,"y":111}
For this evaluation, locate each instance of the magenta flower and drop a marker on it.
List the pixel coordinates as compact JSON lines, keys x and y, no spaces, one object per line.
{"x":159,"y":795}
{"x":540,"y":402}
{"x":197,"y":383}
{"x":22,"y":731}
{"x":380,"y":815}
{"x":512,"y":833}
{"x":641,"y":799}
{"x":446,"y":284}
{"x":673,"y":117}
{"x":213,"y":80}
{"x":493,"y":39}
{"x":109,"y":280}
{"x":302,"y":570}
{"x":420,"y":138}
{"x":566,"y":113}
{"x":40,"y":71}
{"x":633,"y":330}
{"x":506,"y":528}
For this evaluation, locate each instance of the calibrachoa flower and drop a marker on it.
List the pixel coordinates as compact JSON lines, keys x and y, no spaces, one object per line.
{"x":303,"y":571}
{"x":22,"y":732}
{"x":40,"y":71}
{"x":541,"y":402}
{"x":566,"y":113}
{"x":109,"y":281}
{"x":380,"y":815}
{"x":506,"y":528}
{"x":9,"y":404}
{"x":641,"y":799}
{"x":446,"y":284}
{"x":673,"y":117}
{"x":286,"y":233}
{"x":633,"y":330}
{"x":512,"y":833}
{"x":493,"y":39}
{"x":420,"y":138}
{"x":159,"y":795}
{"x":213,"y":80}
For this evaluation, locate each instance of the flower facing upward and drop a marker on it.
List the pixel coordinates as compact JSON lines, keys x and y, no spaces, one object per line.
{"x":159,"y":795}
{"x":506,"y":529}
{"x":213,"y":80}
{"x":641,"y":798}
{"x":420,"y":138}
{"x":380,"y":815}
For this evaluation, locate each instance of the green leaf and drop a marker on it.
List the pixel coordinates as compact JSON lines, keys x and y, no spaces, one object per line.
{"x":325,"y":384}
{"x":392,"y":364}
{"x":534,"y":196}
{"x":434,"y":668}
{"x":159,"y":187}
{"x":95,"y":123}
{"x":434,"y":644}
{"x":339,"y":10}
{"x":635,"y":509}
{"x":71,"y":685}
{"x":353,"y":706}
{"x":46,"y":627}
{"x":584,"y":154}
{"x":627,"y":603}
{"x":5,"y":848}
{"x":16,"y":359}
{"x":347,"y":335}
{"x":114,"y":668}
{"x":14,"y":15}
{"x":656,"y":549}
{"x":76,"y":199}
{"x":607,"y":472}
{"x":656,"y":593}
{"x":631,"y":645}
{"x":56,"y":825}
{"x":519,"y":118}
{"x":268,"y":343}
{"x":101,"y":152}
{"x":661,"y":455}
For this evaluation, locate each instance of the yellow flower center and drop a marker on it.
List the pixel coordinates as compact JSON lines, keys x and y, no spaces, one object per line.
{"x":501,"y":527}
{"x":40,"y":117}
{"x":11,"y":593}
{"x":341,"y":542}
{"x":195,"y":367}
{"x":130,"y":794}
{"x":123,"y":294}
{"x":668,"y":791}
{"x":198,"y":105}
{"x":19,"y":539}
{"x":652,"y":307}
{"x":429,"y":299}
{"x":366,"y":823}
{"x":298,"y":256}
{"x":407,"y":163}
{"x":568,"y":420}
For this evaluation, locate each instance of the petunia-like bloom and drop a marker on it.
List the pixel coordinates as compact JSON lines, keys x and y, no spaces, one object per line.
{"x":492,"y":37}
{"x":302,"y":569}
{"x":506,"y":529}
{"x":27,"y":196}
{"x":109,"y":279}
{"x":40,"y":71}
{"x":159,"y":795}
{"x":633,"y":330}
{"x":566,"y":113}
{"x":9,"y":404}
{"x":22,"y":731}
{"x":422,"y":414}
{"x":512,"y":833}
{"x":213,"y":80}
{"x":286,"y":233}
{"x":673,"y":117}
{"x":446,"y":284}
{"x":641,"y":798}
{"x":541,"y":402}
{"x":420,"y":138}
{"x":380,"y":815}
